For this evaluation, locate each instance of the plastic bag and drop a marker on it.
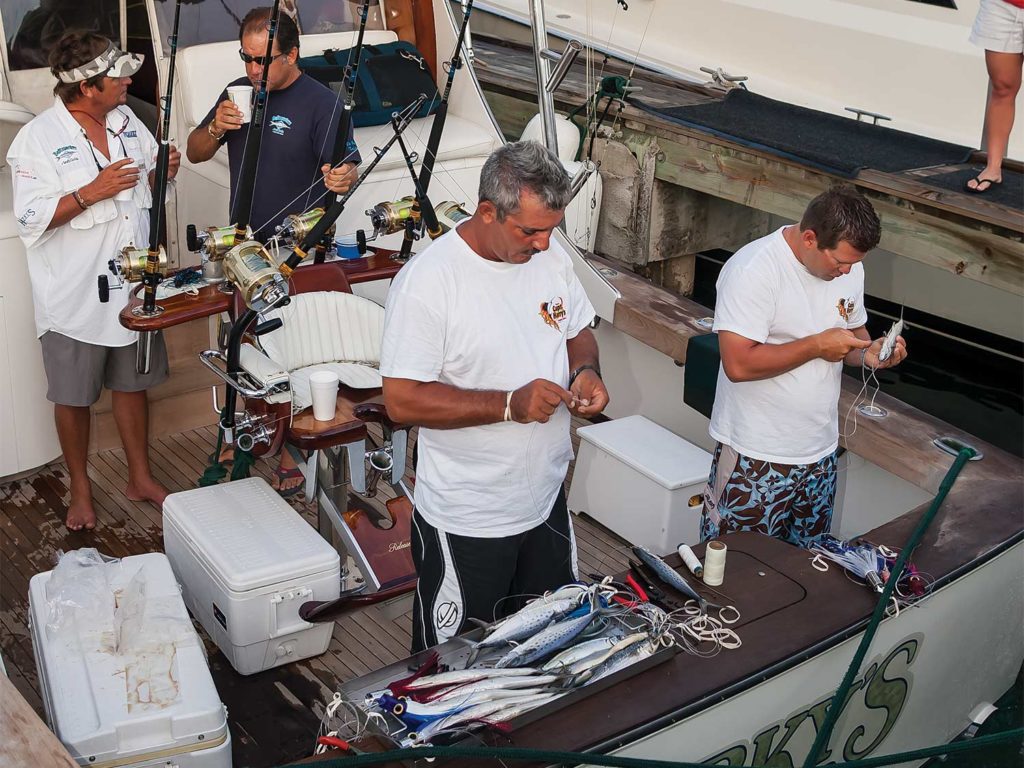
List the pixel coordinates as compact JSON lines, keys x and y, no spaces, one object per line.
{"x":80,"y":598}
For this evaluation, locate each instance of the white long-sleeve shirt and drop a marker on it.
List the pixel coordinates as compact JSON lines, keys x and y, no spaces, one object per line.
{"x":52,"y":157}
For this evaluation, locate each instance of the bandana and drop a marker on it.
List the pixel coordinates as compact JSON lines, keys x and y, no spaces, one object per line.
{"x":113,"y":62}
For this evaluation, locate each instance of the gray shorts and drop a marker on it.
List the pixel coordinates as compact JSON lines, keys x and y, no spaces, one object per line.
{"x":77,"y":371}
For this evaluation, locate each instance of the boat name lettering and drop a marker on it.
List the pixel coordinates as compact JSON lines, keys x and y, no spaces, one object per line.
{"x":396,"y":546}
{"x":883,"y":689}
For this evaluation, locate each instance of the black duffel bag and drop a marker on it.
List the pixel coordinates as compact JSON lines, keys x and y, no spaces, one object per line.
{"x":391,"y":77}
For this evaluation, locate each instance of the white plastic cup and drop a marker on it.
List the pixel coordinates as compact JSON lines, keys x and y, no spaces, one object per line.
{"x":241,"y":97}
{"x":127,"y":194}
{"x":323,"y":386}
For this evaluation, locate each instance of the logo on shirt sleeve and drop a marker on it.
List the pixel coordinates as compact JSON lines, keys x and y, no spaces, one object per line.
{"x":845,"y":308}
{"x":553,"y":312}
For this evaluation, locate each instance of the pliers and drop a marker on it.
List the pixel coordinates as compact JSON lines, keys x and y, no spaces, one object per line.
{"x":335,"y":742}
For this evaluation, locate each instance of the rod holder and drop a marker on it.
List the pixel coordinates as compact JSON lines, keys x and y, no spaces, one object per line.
{"x":144,"y":352}
{"x":564,"y":62}
{"x":579,"y":179}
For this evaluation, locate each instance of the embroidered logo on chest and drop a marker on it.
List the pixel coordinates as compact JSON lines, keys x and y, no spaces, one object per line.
{"x":845,"y":308}
{"x":553,"y":312}
{"x":279,"y":124}
{"x":66,"y":155}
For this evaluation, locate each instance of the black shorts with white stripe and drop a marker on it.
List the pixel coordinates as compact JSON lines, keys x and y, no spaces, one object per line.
{"x":464,"y":577}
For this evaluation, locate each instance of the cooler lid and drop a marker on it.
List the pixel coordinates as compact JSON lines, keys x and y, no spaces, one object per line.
{"x":248,"y":535}
{"x":650,"y":449}
{"x":122,"y":686}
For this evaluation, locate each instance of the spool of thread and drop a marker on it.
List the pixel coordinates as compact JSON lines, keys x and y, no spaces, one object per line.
{"x":714,"y":563}
{"x":690,"y":560}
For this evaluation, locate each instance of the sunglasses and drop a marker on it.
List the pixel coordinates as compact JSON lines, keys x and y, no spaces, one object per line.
{"x":256,"y":59}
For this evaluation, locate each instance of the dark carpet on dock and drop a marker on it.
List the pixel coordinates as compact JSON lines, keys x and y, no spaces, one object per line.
{"x":832,"y":143}
{"x":273,"y":715}
{"x":1010,"y":193}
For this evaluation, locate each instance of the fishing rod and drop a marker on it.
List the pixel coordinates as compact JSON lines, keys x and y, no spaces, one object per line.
{"x":264,"y":287}
{"x":348,"y":85}
{"x":151,"y":277}
{"x":422,"y":203}
{"x":399,"y":121}
{"x":247,"y":176}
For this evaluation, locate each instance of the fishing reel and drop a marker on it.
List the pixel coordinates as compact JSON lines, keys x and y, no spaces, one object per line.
{"x":129,"y":266}
{"x":253,"y":271}
{"x":388,"y":218}
{"x":212,"y":244}
{"x":294,"y":228}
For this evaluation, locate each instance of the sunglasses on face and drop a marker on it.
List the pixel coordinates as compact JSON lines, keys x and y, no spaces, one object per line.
{"x":256,"y":59}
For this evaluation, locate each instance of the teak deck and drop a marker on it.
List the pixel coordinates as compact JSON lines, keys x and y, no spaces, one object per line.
{"x":273,"y":715}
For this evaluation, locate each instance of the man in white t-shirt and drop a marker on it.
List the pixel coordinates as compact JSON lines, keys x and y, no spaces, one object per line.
{"x":82,"y":172}
{"x":486,"y":348}
{"x":790,"y":312}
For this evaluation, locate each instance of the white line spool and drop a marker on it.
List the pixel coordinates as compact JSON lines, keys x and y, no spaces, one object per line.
{"x":714,"y":563}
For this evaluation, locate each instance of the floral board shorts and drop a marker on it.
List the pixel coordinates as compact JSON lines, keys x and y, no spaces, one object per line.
{"x":792,"y":502}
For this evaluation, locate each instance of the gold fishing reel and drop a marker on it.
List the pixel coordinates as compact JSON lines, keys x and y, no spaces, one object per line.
{"x":295,"y":227}
{"x":129,"y":265}
{"x":450,"y":214}
{"x":253,"y":271}
{"x":213,"y":242}
{"x":389,"y":217}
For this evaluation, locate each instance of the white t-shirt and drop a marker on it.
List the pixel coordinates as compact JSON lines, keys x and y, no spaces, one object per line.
{"x":766,"y":295}
{"x":459,"y":319}
{"x":51,"y":157}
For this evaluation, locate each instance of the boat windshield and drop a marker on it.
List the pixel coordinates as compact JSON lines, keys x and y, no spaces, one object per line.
{"x":214,"y":21}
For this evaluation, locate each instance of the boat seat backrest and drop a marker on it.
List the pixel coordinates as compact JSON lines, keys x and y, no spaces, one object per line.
{"x":325,"y":327}
{"x":204,"y":70}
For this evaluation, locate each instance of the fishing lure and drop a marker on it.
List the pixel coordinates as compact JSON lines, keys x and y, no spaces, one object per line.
{"x":669,"y":576}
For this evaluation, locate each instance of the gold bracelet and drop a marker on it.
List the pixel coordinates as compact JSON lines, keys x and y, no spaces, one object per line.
{"x":209,"y":130}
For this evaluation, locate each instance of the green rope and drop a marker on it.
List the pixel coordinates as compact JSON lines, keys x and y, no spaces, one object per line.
{"x":613,"y":87}
{"x":835,"y":708}
{"x":243,"y":461}
{"x":549,"y":757}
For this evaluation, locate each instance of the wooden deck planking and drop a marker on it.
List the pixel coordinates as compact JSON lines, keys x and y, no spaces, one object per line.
{"x":292,"y":697}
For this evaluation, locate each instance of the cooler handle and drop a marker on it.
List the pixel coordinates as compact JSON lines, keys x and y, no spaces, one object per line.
{"x":278,"y":603}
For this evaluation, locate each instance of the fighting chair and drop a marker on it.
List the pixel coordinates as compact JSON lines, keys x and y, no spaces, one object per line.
{"x":327,"y":327}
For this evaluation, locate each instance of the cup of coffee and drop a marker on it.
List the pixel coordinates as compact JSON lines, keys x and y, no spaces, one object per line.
{"x":241,"y":97}
{"x":323,"y":386}
{"x":127,"y":194}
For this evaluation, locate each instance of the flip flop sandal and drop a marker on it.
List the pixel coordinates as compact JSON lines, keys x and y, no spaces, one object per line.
{"x":288,"y":474}
{"x":976,"y":190}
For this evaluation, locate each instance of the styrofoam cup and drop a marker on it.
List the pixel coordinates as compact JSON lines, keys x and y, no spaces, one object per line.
{"x":127,"y":194}
{"x":241,"y":97}
{"x":323,"y":386}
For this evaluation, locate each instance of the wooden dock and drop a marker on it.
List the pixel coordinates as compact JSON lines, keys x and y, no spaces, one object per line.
{"x":273,"y":715}
{"x":966,"y":235}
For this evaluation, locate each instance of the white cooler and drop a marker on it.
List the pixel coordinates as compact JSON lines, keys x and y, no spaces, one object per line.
{"x":638,"y":479}
{"x":246,"y":562}
{"x":146,"y":699}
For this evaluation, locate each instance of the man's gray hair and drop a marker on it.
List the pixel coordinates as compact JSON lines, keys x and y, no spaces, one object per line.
{"x":519,"y":165}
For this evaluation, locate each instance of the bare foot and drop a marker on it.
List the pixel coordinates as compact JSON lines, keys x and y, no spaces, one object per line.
{"x":81,"y":516}
{"x":146,"y":490}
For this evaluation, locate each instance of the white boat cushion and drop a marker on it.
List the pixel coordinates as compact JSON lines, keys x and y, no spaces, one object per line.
{"x":327,"y":330}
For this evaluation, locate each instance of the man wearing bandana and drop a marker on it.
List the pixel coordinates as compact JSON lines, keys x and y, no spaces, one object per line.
{"x":82,"y":174}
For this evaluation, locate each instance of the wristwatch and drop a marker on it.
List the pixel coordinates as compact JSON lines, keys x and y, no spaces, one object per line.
{"x":585,"y":367}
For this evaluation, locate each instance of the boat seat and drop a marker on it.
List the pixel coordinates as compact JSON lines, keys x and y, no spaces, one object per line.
{"x":197,"y":91}
{"x":700,"y":374}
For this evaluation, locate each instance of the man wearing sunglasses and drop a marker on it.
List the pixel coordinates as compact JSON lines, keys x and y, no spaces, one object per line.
{"x":299,"y":127}
{"x":82,"y":176}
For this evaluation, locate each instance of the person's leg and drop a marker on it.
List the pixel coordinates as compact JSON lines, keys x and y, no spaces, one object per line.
{"x":131,"y":414}
{"x":1004,"y":72}
{"x":458,"y":577}
{"x":74,"y":374}
{"x":287,"y":478}
{"x":547,"y":559}
{"x":810,"y":512}
{"x":747,"y":494}
{"x":73,"y":434}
